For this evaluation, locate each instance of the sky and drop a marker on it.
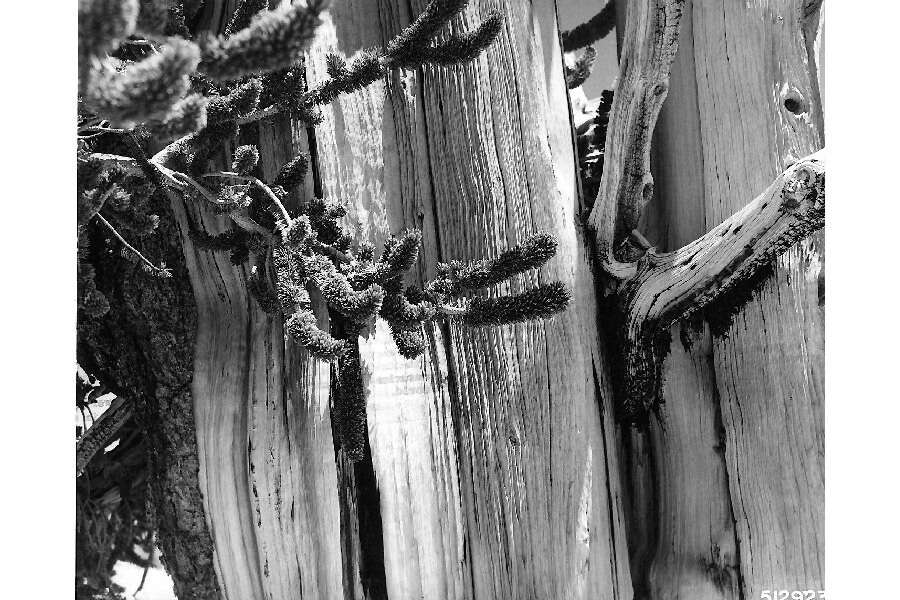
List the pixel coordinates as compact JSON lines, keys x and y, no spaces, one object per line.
{"x":575,"y":12}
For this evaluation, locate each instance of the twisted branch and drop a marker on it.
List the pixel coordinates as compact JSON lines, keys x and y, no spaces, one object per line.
{"x":668,"y":288}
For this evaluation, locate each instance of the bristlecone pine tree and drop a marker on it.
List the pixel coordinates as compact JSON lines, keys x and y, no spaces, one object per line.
{"x":391,"y":310}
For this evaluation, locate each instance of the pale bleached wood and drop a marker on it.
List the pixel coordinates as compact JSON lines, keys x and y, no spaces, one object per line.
{"x":649,"y":46}
{"x":673,"y":286}
{"x":267,"y":467}
{"x":220,"y":404}
{"x":695,"y":548}
{"x":773,"y":414}
{"x":490,"y":452}
{"x":767,"y":372}
{"x":266,"y":457}
{"x":528,"y":454}
{"x":686,"y":543}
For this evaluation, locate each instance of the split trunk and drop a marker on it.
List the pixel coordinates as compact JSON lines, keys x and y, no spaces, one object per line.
{"x":495,"y":467}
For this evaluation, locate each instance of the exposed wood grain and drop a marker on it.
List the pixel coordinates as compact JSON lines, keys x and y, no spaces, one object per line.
{"x":490,"y":452}
{"x":266,"y":460}
{"x":686,"y":546}
{"x":772,"y":414}
{"x":726,"y":131}
{"x":673,"y":286}
{"x":267,"y":467}
{"x":695,"y":553}
{"x":649,"y":47}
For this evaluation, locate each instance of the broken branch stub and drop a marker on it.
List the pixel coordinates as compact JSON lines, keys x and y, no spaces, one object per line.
{"x":668,"y":288}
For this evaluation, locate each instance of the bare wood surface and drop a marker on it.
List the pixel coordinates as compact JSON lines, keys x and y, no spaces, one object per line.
{"x":769,"y":363}
{"x":649,"y":47}
{"x":695,"y":551}
{"x":673,"y":286}
{"x":725,"y":131}
{"x":491,"y":451}
{"x":678,"y":481}
{"x":267,"y":468}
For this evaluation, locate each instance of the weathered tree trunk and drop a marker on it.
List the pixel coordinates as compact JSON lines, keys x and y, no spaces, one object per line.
{"x":492,"y":469}
{"x":737,"y":480}
{"x":495,"y":466}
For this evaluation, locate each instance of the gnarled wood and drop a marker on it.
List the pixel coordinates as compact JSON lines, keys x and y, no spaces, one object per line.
{"x":741,"y":398}
{"x":650,"y":43}
{"x":673,"y":286}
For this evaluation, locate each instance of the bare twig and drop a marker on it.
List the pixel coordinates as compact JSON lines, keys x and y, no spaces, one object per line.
{"x":159,"y":270}
{"x":259,"y":184}
{"x":132,"y":166}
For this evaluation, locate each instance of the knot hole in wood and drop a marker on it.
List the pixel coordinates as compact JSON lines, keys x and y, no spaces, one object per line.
{"x":793,"y":100}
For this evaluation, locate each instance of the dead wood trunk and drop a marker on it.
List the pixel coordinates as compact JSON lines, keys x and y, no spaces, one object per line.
{"x":493,"y":472}
{"x":737,"y":444}
{"x":493,"y":466}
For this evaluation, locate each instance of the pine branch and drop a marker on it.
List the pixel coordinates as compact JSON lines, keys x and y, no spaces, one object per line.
{"x":408,"y":49}
{"x":186,"y":116}
{"x":272,"y":41}
{"x":365,"y":68}
{"x":597,"y":28}
{"x":146,"y":90}
{"x":242,"y":100}
{"x":339,"y":294}
{"x":540,"y":303}
{"x":102,"y":26}
{"x":410,"y":341}
{"x":581,"y":70}
{"x":437,"y":14}
{"x":244,"y":13}
{"x":455,"y":50}
{"x":303,"y":327}
{"x":293,"y":173}
{"x":399,"y":256}
{"x":244,"y":160}
{"x":530,"y":254}
{"x":400,"y":312}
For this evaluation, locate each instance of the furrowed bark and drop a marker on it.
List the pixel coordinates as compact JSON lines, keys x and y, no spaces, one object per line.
{"x":101,"y":432}
{"x":650,"y":44}
{"x":142,"y":350}
{"x":674,"y":286}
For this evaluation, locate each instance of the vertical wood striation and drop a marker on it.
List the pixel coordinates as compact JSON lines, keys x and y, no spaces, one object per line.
{"x":743,"y":105}
{"x":490,"y":452}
